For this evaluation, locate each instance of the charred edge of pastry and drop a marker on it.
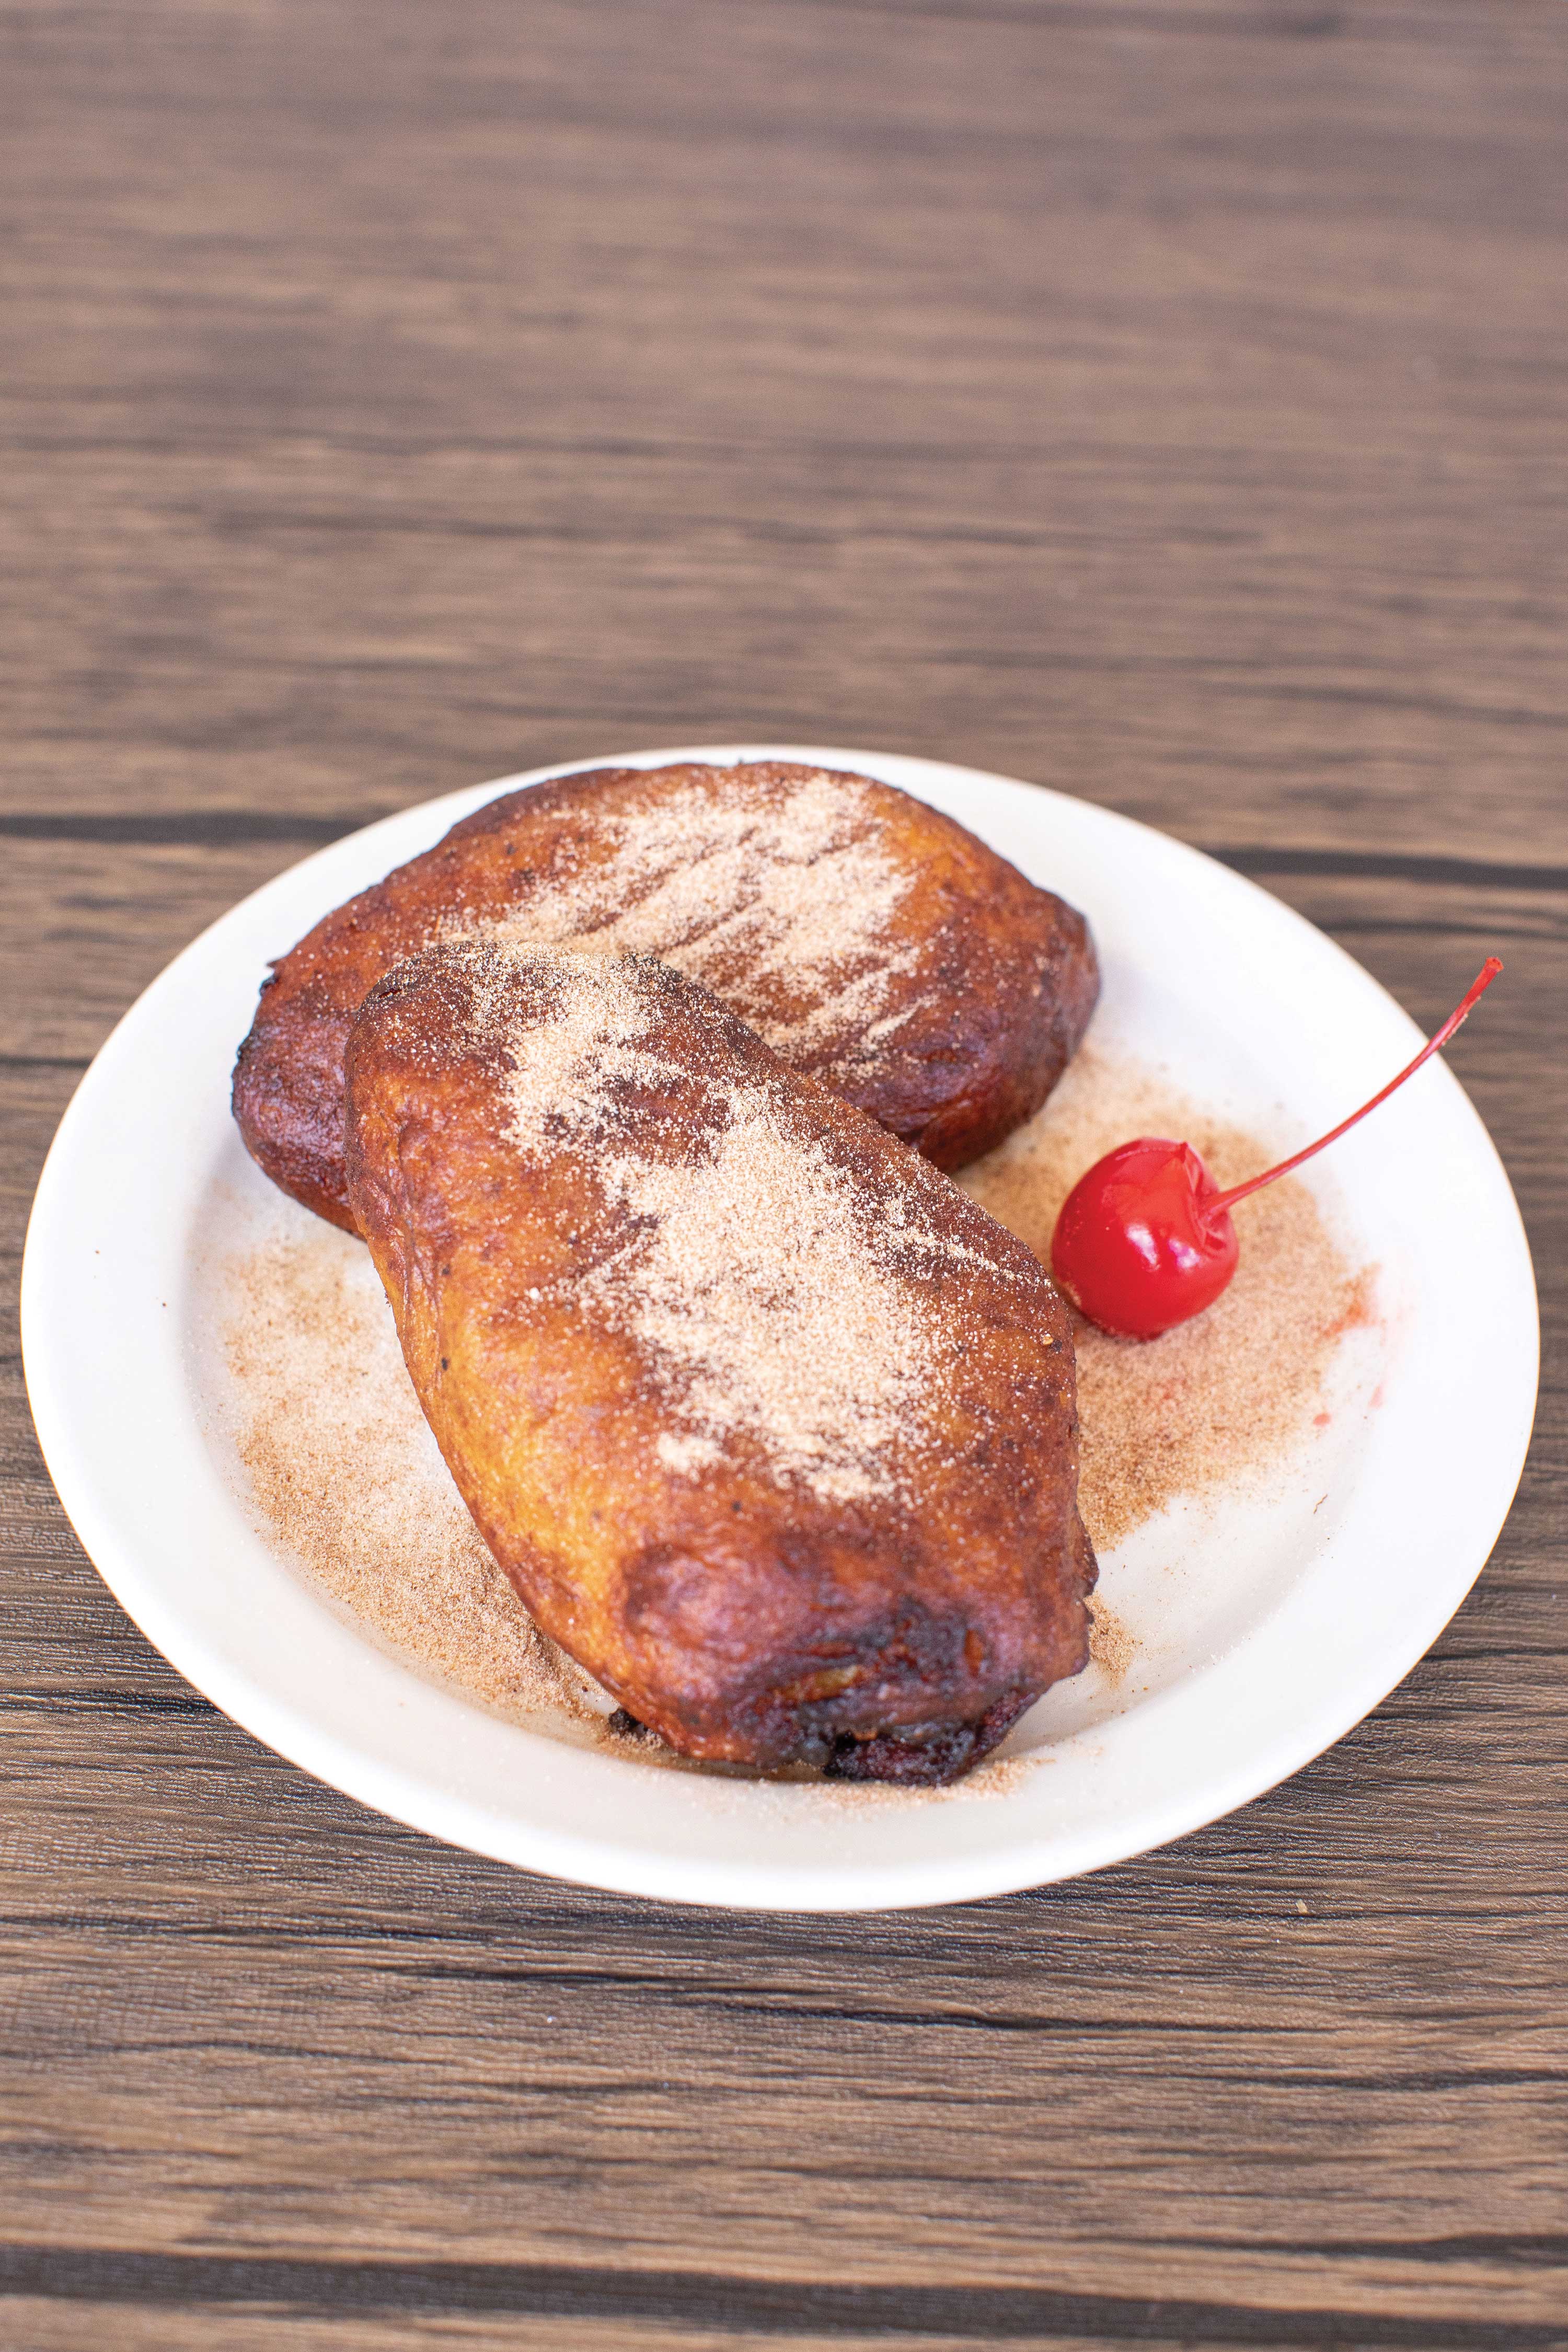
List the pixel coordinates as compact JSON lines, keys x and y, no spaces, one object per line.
{"x":927,"y":1754}
{"x":929,"y":1757}
{"x":919,"y":1757}
{"x":627,"y":1726}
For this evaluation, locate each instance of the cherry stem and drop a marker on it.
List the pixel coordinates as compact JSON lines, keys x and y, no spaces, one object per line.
{"x":1488,"y":972}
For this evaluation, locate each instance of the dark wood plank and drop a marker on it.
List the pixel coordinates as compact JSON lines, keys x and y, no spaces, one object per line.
{"x":1166,"y":404}
{"x":1158,"y":399}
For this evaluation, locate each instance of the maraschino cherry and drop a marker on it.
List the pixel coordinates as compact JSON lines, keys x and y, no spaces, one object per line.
{"x":1144,"y":1240}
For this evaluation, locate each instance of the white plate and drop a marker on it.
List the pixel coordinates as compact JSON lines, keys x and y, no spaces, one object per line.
{"x":1292,"y":1620}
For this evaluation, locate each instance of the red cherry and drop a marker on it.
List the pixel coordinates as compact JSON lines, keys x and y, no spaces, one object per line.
{"x":1139,"y":1245}
{"x":1144,"y":1240}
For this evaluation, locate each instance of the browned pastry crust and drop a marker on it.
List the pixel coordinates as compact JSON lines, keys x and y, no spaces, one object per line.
{"x":770,"y":1425}
{"x":873,"y":942}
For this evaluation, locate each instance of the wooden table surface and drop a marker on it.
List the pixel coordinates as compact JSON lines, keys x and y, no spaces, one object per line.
{"x":1161,"y":399}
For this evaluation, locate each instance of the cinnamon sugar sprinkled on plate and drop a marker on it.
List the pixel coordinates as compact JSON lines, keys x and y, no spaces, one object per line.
{"x":1111,"y":1642}
{"x":348,"y":1477}
{"x":1217,"y":1400}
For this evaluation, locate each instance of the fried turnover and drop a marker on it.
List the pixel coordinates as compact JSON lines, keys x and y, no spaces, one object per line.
{"x":770,"y":1426}
{"x":874,"y":943}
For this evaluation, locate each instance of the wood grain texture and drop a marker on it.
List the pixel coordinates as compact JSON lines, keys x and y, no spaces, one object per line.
{"x":1161,"y":398}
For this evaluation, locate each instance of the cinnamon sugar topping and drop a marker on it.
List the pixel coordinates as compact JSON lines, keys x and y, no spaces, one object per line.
{"x":777,"y":893}
{"x":776,"y":1296}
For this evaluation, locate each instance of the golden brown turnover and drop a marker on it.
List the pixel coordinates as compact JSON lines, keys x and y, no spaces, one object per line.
{"x":872,"y":942}
{"x":770,"y":1426}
